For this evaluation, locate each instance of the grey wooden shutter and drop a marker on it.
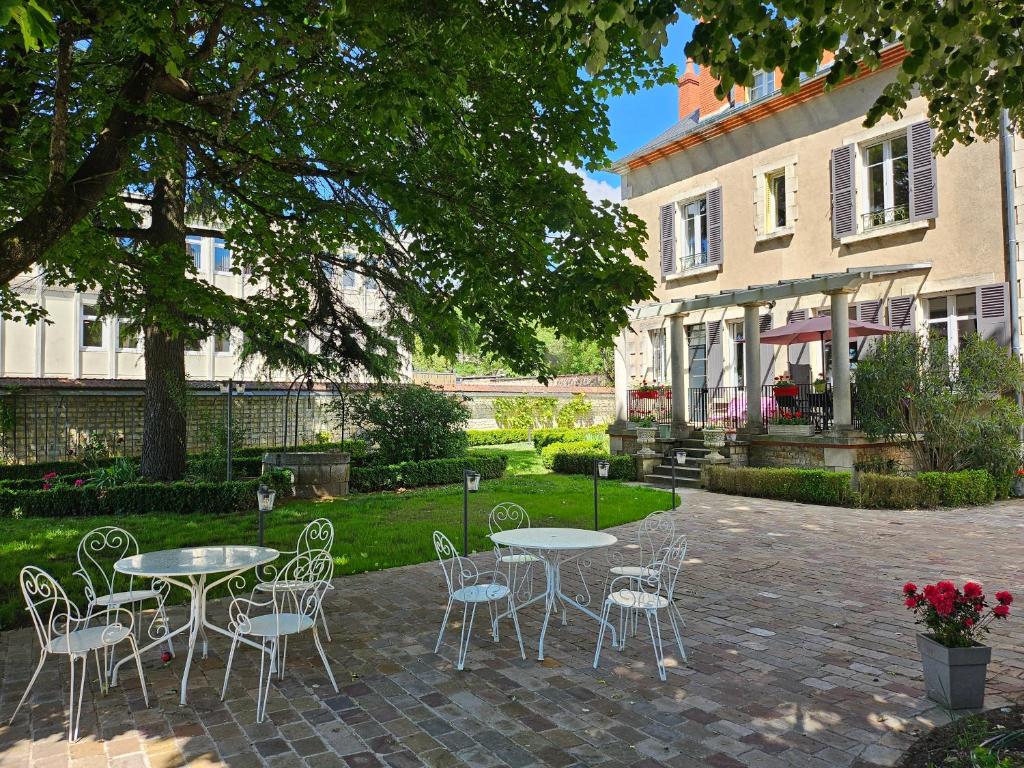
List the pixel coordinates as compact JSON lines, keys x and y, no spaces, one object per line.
{"x":901,"y":313}
{"x":714,"y":203}
{"x":844,"y":191}
{"x":668,"y":239}
{"x":798,"y":354}
{"x":768,"y":353}
{"x":868,"y":312}
{"x":993,"y":306}
{"x":924,"y":198}
{"x":716,"y":354}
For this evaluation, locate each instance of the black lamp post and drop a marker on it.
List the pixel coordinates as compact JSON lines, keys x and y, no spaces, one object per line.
{"x":600,"y":470}
{"x":230,"y":388}
{"x":680,"y":460}
{"x":265,"y":497}
{"x":470,"y":484}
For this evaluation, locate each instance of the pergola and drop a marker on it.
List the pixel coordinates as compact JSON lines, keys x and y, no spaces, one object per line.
{"x":837,"y":285}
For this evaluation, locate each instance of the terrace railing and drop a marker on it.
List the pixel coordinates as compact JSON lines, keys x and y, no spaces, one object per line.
{"x":655,"y":402}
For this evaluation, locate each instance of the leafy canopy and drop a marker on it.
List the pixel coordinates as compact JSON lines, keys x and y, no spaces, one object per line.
{"x":424,"y":147}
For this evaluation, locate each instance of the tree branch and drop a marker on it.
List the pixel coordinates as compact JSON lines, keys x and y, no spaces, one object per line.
{"x":61,"y":89}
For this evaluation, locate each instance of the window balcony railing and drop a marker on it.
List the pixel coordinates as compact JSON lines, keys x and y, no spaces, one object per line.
{"x":885,"y":217}
{"x":693,"y":261}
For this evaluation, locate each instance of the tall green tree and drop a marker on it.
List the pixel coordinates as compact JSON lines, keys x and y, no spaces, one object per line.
{"x":422,"y":145}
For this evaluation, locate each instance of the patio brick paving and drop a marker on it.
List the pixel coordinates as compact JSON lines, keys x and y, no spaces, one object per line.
{"x":800,"y":655}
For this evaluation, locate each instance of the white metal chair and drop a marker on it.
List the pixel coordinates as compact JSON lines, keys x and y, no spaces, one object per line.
{"x":105,"y":588}
{"x":318,"y":535}
{"x":656,"y":531}
{"x":465,"y":586}
{"x":62,"y":630}
{"x":292,"y":606}
{"x":518,"y":565}
{"x":649,"y":594}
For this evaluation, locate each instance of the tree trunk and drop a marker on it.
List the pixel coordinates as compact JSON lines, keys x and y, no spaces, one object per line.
{"x":164,"y":428}
{"x":164,"y":425}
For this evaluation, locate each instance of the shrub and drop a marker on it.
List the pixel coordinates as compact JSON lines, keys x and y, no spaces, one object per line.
{"x":569,"y":463}
{"x":412,"y":474}
{"x":880,"y":491}
{"x":524,"y":412}
{"x":495,"y":436}
{"x":577,"y":410}
{"x":543,"y":437}
{"x":139,"y":498}
{"x":408,"y":422}
{"x":810,"y":486}
{"x":971,"y":487}
{"x":548,"y":452}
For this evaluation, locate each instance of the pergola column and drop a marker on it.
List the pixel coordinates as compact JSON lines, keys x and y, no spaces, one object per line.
{"x":621,"y":357}
{"x":677,"y":360}
{"x":752,"y":366}
{"x":842,"y":403}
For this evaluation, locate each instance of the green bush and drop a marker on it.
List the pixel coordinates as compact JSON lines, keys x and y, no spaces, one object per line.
{"x":543,"y":437}
{"x":139,"y":498}
{"x":810,"y":486}
{"x":548,"y":452}
{"x":879,"y":491}
{"x":413,"y":474}
{"x":408,"y":422}
{"x":495,"y":436}
{"x":971,"y":487}
{"x":575,"y":411}
{"x":620,"y":467}
{"x":524,"y":412}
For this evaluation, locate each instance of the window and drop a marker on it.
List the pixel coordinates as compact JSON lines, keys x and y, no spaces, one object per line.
{"x":764,"y":84}
{"x":738,"y":361}
{"x":776,"y":203}
{"x":887,"y":183}
{"x":370,"y":284}
{"x":128,"y":337}
{"x":195,"y":246}
{"x":953,"y":317}
{"x":348,"y":279}
{"x":194,"y":346}
{"x":658,"y":355}
{"x":695,"y":228}
{"x":92,"y":328}
{"x":222,"y":343}
{"x":697,"y":343}
{"x":221,"y":256}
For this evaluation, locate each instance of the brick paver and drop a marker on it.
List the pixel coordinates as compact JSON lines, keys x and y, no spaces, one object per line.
{"x":800,"y":655}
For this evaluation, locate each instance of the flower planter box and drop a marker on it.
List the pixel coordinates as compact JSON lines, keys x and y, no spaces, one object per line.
{"x":648,"y":395}
{"x":789,"y":390}
{"x":954,"y":677}
{"x":805,"y":430}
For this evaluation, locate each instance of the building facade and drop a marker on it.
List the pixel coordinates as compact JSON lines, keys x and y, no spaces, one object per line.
{"x":78,"y":344}
{"x":768,"y":208}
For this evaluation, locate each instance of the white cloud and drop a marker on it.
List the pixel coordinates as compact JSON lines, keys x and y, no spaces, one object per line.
{"x":596,"y":189}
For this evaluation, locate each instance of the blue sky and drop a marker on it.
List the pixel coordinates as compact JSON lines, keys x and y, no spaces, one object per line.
{"x":636,"y":118}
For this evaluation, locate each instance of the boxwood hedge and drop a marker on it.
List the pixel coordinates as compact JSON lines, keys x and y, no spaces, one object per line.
{"x":972,"y":487}
{"x":543,"y":437}
{"x":413,"y":474}
{"x":811,"y":486}
{"x":495,"y":436}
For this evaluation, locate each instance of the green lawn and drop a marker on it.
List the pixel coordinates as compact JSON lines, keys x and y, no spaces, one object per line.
{"x":373,"y":531}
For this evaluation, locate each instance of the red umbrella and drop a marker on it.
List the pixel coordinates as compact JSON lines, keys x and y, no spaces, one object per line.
{"x":819,"y":328}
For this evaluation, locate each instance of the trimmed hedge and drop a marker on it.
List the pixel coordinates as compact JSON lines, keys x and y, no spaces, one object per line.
{"x":972,"y":487}
{"x":413,"y":474}
{"x":810,"y":486}
{"x":140,"y":498}
{"x":479,"y":437}
{"x":620,"y":467}
{"x":548,"y":452}
{"x":543,"y":437}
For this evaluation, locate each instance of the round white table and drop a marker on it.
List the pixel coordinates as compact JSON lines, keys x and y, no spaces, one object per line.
{"x":189,"y":568}
{"x":554,"y":547}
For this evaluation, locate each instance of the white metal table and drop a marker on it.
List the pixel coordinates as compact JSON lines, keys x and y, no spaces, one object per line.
{"x":189,"y":568}
{"x":555,"y":547}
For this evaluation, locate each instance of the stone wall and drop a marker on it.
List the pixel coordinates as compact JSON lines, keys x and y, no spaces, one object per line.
{"x":840,"y":453}
{"x":481,"y":405}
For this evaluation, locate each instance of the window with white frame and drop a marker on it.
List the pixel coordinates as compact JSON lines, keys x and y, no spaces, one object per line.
{"x":348,"y":279}
{"x":953,"y":317}
{"x":886,"y":182}
{"x":764,"y":84}
{"x":128,"y":337}
{"x":659,"y":362}
{"x":738,"y":360}
{"x":775,"y":203}
{"x":222,"y":343}
{"x":194,"y":246}
{"x":92,"y":327}
{"x":695,"y":232}
{"x":221,"y":256}
{"x":194,"y":346}
{"x":697,"y":344}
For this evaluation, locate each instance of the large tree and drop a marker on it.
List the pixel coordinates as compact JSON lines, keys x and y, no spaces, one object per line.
{"x":424,"y":145}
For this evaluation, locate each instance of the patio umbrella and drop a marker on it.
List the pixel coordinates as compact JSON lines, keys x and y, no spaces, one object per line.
{"x":819,"y":328}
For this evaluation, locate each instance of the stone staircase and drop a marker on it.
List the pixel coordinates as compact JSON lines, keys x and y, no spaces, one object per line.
{"x":688,"y":474}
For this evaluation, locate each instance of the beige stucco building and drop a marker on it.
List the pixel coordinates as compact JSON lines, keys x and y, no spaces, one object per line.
{"x":78,"y":345}
{"x":773,"y":207}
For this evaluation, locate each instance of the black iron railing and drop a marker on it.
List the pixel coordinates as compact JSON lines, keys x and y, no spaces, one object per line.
{"x":727,"y":406}
{"x":653,"y":402}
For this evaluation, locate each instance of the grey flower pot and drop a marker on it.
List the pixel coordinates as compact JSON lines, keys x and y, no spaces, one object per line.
{"x":954,"y":677}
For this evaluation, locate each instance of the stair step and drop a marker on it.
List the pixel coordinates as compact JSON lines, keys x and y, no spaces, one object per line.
{"x":663,"y":481}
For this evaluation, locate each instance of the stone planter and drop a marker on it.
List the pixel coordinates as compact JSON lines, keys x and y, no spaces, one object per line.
{"x":645,"y":437}
{"x":714,"y":438}
{"x":1018,"y":486}
{"x":954,"y":677}
{"x":791,"y":429}
{"x":314,"y":475}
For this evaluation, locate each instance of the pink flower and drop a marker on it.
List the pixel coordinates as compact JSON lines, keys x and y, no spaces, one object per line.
{"x":79,"y":483}
{"x":47,"y":486}
{"x":49,"y":476}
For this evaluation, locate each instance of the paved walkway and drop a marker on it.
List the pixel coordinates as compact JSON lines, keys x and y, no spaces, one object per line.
{"x":800,"y":655}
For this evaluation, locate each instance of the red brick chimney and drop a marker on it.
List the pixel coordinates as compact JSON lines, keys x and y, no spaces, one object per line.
{"x":689,"y":86}
{"x":697,"y":93}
